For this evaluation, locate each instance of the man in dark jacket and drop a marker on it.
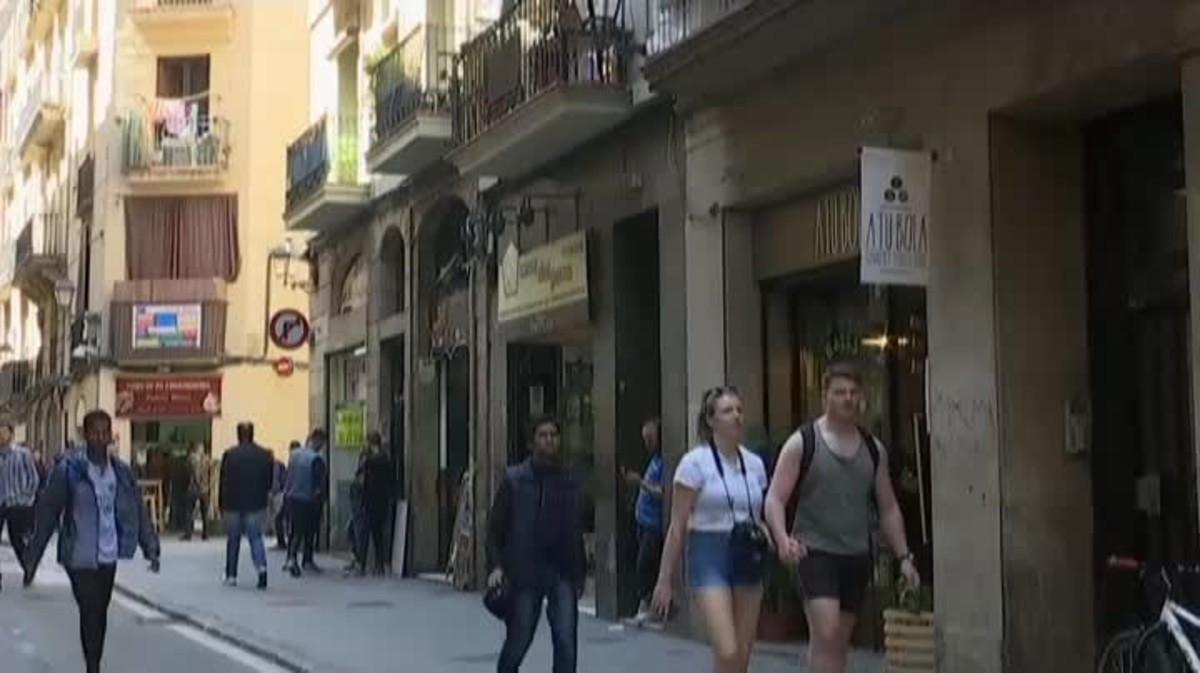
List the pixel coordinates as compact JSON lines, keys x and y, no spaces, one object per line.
{"x":247,"y":472}
{"x":535,"y":550}
{"x":378,"y":493}
{"x":92,"y":500}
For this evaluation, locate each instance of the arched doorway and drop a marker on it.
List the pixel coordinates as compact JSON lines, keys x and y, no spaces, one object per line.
{"x":444,"y":342}
{"x":393,"y":270}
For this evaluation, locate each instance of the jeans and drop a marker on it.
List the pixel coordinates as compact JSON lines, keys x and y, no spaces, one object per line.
{"x":20,"y":527}
{"x":93,"y":592}
{"x":281,"y":523}
{"x":249,"y":524}
{"x":562,"y":611}
{"x":650,"y":546}
{"x":374,"y":526}
{"x":303,"y":517}
{"x":193,"y":501}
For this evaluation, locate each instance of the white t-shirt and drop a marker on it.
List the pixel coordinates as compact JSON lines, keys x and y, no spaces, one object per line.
{"x":698,"y":471}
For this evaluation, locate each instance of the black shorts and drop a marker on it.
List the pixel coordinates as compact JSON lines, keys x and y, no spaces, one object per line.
{"x":825,"y":575}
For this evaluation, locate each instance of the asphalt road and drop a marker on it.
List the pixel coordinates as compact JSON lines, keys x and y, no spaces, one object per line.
{"x":39,"y":633}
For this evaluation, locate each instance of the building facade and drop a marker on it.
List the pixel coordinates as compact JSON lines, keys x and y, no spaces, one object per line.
{"x":505,"y":222}
{"x":147,"y":139}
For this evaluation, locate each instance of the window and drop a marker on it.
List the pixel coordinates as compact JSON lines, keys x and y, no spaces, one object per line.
{"x":183,"y":95}
{"x":178,"y":237}
{"x":353,"y":293}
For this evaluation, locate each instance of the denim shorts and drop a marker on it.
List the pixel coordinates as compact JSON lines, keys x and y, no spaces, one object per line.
{"x":711,"y":563}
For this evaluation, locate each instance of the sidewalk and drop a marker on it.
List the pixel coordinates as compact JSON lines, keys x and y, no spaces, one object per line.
{"x":331,"y":624}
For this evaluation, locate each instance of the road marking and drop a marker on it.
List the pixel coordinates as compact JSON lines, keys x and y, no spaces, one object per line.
{"x":229,"y":651}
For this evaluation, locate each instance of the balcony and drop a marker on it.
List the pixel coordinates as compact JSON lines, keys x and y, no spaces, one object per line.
{"x":41,"y":255}
{"x":86,"y":42}
{"x":411,"y":88}
{"x":694,"y":40}
{"x":179,"y":143}
{"x":43,"y":120}
{"x":15,"y":379}
{"x":41,"y":20}
{"x":168,"y":321}
{"x":162,"y":21}
{"x":8,"y":170}
{"x":324,"y":190}
{"x":538,"y":83}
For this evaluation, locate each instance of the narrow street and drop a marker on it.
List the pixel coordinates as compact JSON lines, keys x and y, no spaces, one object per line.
{"x":38,"y":634}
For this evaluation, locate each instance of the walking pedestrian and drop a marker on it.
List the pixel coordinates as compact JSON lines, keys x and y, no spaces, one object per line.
{"x":648,"y":512}
{"x":199,"y":490}
{"x":279,"y":499}
{"x":92,"y":500}
{"x":535,"y":550}
{"x":304,"y":491}
{"x":841,"y":472}
{"x":19,"y":482}
{"x":247,"y":471}
{"x":378,"y":495}
{"x":718,"y":499}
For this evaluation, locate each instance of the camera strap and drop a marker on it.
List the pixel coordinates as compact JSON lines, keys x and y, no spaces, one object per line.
{"x":745,"y":482}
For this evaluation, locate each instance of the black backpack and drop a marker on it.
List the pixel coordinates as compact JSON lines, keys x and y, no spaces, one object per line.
{"x":808,"y":434}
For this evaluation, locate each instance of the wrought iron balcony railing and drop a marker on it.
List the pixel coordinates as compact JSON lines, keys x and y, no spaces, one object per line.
{"x":414,"y":77}
{"x":537,"y":46}
{"x":326,"y":153}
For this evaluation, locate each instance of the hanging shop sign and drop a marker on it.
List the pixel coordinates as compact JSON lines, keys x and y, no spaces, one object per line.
{"x":289,"y":329}
{"x":166,"y":325}
{"x":166,"y":396}
{"x":894,"y":238}
{"x":350,"y":425}
{"x":546,"y":278}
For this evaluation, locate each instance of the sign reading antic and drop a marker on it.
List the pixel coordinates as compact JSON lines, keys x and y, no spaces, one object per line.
{"x":545,"y":278}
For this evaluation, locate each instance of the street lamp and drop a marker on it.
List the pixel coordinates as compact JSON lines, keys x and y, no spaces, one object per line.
{"x":64,"y":292}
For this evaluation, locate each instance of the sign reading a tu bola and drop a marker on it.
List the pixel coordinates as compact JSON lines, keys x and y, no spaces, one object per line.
{"x":894,"y":240}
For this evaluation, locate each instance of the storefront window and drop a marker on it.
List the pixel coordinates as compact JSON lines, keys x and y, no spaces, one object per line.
{"x":347,"y":415}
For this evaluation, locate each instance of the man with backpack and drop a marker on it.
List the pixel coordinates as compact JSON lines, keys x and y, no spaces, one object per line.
{"x":838,"y":473}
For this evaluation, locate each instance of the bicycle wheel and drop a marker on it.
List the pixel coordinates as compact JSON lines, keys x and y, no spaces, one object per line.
{"x":1156,"y":652}
{"x":1120,"y":653}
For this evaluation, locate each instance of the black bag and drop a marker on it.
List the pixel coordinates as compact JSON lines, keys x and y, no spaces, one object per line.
{"x":498,"y":601}
{"x":747,"y":540}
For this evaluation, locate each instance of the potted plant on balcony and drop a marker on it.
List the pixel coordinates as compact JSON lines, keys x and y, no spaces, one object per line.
{"x":908,"y":628}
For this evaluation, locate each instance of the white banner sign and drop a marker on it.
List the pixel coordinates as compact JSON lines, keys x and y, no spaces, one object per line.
{"x":895,"y":216}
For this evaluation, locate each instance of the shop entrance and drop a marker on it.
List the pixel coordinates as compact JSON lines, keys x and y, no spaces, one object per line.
{"x":160,"y":455}
{"x":824,"y":316}
{"x":1143,"y":463}
{"x":455,"y":450}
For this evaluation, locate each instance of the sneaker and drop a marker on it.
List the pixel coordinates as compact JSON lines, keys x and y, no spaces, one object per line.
{"x":262,"y":581}
{"x":292,"y":569}
{"x":230,"y":581}
{"x":313,"y":568}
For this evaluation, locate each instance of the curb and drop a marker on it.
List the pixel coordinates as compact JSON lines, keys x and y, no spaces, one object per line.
{"x":214,"y":631}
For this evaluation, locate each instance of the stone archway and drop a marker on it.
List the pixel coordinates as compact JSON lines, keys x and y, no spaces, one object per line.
{"x":393,"y":273}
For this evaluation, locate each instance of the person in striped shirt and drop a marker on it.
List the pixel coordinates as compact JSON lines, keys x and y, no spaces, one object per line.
{"x":18,"y":490}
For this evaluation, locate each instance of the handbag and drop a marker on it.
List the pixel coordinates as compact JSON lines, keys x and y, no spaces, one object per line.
{"x":498,"y":601}
{"x":747,"y":541}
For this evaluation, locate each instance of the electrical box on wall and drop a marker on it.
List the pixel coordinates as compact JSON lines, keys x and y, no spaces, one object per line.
{"x":1078,"y":435}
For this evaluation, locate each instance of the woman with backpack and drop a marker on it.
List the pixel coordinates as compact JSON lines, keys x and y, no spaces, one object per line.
{"x":717,"y":503}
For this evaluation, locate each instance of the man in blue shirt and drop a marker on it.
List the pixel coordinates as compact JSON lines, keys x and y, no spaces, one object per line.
{"x":305,"y":491}
{"x":92,"y":500}
{"x":649,"y":514}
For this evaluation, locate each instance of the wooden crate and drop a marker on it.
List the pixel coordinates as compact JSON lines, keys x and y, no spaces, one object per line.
{"x":908,"y":641}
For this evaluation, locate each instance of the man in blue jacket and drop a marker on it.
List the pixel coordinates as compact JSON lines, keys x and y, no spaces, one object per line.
{"x":535,"y":550}
{"x":304,"y":491}
{"x":92,"y":500}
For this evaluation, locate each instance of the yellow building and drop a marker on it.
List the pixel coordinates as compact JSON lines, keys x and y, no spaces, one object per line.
{"x":151,"y":136}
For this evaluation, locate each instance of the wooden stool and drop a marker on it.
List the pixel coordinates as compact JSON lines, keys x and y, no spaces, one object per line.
{"x":151,"y":505}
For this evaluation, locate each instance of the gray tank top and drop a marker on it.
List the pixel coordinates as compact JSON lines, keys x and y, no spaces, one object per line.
{"x":833,"y":512}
